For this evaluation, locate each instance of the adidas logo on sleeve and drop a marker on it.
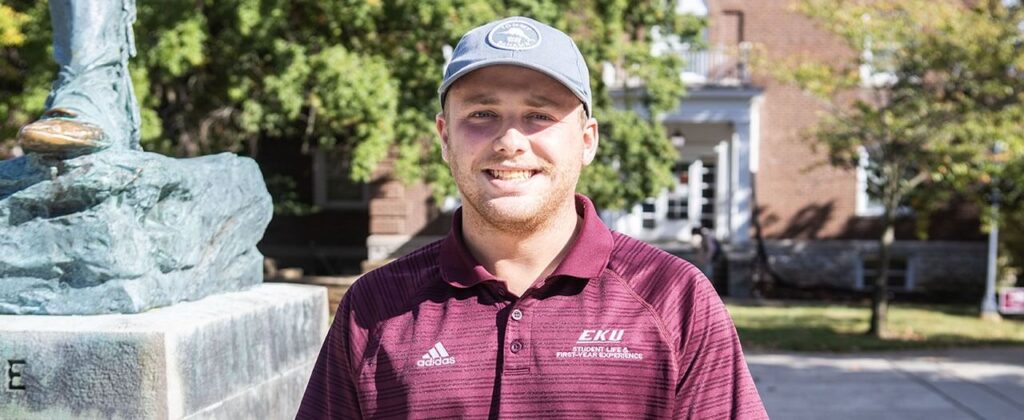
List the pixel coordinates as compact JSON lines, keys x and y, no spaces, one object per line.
{"x":437,"y":356}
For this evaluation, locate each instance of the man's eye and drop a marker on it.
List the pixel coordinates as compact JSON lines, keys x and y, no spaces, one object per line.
{"x":541,"y":117}
{"x":481,"y":114}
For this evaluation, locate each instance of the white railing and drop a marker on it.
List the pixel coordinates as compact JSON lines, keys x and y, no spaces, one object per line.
{"x":719,"y":66}
{"x":716,"y":66}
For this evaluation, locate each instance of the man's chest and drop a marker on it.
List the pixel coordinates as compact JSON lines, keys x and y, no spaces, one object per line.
{"x":556,"y":355}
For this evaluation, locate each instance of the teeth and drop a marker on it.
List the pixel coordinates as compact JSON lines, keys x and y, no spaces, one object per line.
{"x":510,"y":175}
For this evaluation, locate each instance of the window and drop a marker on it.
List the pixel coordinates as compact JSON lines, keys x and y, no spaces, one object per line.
{"x":867,"y":204}
{"x":679,"y":197}
{"x":709,"y":174}
{"x":878,"y":65}
{"x":677,"y":208}
{"x":332,"y":188}
{"x":901,"y":273}
{"x":648,"y":213}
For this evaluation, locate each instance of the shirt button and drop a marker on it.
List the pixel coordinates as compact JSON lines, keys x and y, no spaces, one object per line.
{"x":517,"y":314}
{"x":516,"y":346}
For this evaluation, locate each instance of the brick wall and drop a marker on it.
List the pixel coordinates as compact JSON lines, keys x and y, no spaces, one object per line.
{"x":799,"y":196}
{"x":396,"y":208}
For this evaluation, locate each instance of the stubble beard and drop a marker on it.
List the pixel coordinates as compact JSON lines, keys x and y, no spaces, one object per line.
{"x":522,"y":218}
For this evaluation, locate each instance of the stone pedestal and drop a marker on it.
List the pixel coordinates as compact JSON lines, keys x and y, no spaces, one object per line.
{"x":233,"y":355}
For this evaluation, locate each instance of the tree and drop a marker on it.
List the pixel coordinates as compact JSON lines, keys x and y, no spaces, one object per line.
{"x":357,"y":77}
{"x":930,"y":87}
{"x":15,"y":37}
{"x":10,"y":26}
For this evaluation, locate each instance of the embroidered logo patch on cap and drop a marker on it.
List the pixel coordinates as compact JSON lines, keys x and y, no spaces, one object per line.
{"x":514,"y":35}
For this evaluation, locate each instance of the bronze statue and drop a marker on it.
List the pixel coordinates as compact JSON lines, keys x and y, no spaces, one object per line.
{"x":89,"y":223}
{"x":91,"y":105}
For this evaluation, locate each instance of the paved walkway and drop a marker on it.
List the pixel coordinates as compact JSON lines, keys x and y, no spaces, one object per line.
{"x":935,"y":384}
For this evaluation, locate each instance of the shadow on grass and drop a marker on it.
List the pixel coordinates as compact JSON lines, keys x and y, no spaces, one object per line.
{"x":827,"y":339}
{"x":957,"y":310}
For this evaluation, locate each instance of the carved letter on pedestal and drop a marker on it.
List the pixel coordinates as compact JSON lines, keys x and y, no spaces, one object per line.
{"x":15,"y":368}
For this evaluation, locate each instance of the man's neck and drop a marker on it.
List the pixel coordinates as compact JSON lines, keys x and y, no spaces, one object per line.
{"x":519,"y":259}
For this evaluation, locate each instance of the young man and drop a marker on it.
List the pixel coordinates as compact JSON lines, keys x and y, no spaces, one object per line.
{"x":530,"y":307}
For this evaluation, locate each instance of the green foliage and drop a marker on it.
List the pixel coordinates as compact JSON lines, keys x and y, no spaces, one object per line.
{"x":822,"y":80}
{"x":11,"y":35}
{"x":356,"y":76}
{"x":642,"y":147}
{"x":10,"y":27}
{"x":179,"y":48}
{"x":952,"y":89}
{"x":282,"y":190}
{"x":24,"y":82}
{"x":957,"y":72}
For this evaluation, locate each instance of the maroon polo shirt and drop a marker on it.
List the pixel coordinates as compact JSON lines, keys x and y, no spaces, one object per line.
{"x":619,"y":329}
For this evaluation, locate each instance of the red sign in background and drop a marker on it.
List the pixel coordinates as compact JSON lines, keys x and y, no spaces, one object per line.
{"x":1011,"y":300}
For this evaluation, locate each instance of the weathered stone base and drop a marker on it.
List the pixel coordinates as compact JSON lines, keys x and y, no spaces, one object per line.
{"x":234,"y":355}
{"x":929,"y":266}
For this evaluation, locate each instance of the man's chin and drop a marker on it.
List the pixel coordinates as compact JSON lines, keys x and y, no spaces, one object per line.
{"x":512,"y":213}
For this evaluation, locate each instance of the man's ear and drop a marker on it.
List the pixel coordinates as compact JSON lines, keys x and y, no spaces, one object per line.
{"x":442,"y":133}
{"x":590,"y":140}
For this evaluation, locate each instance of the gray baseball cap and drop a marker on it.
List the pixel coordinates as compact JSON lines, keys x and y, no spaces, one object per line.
{"x":521,"y":41}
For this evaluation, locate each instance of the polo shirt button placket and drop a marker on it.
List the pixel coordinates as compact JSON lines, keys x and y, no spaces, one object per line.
{"x":517,"y":314}
{"x":516,"y":346}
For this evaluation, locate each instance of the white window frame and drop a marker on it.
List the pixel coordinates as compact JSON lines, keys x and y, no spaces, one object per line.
{"x":649,"y":216}
{"x":866,"y":206}
{"x":870,"y":75}
{"x":865,"y":282}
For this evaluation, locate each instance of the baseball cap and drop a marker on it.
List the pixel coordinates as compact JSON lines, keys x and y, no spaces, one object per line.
{"x":521,"y":41}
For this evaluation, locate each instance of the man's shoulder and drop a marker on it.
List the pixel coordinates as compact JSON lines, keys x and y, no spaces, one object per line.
{"x":676,"y":291}
{"x":638,"y":262}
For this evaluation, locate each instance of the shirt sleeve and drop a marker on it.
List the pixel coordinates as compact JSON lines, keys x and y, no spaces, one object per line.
{"x":714,"y":381}
{"x":331,"y":392}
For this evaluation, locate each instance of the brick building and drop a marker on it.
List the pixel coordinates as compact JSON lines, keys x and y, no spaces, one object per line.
{"x":744,"y":164}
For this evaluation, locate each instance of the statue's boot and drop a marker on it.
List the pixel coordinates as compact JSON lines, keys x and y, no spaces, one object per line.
{"x":91,"y":104}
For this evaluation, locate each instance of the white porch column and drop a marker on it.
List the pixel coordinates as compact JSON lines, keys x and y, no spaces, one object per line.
{"x":740,"y":211}
{"x":723,"y":191}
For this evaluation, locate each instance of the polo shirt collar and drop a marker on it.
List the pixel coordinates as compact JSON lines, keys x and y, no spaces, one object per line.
{"x":587,"y":256}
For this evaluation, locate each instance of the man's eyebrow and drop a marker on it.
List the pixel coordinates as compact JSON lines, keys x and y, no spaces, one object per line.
{"x":540,"y":101}
{"x":481,"y":99}
{"x":536,"y":101}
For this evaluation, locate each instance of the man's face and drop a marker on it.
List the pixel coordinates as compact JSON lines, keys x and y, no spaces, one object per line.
{"x":515,"y":140}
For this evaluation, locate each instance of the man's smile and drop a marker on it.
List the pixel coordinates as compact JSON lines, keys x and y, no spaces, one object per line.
{"x":510,"y":174}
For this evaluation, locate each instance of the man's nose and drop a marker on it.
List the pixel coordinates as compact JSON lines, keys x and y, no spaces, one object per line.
{"x":511,"y":142}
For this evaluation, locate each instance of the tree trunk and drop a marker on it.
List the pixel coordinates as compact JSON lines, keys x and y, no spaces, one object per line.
{"x":880,"y":297}
{"x":766,"y":280}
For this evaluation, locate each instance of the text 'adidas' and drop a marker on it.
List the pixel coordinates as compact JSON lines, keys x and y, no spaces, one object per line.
{"x":437,"y":356}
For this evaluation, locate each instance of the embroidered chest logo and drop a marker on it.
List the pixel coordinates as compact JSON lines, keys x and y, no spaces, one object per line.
{"x":437,"y":356}
{"x":601,"y":336}
{"x":587,"y":346}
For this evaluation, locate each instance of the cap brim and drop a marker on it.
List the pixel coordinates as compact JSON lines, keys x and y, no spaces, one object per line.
{"x":443,"y":90}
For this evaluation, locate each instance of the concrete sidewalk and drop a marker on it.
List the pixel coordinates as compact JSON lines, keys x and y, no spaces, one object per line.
{"x":934,"y":384}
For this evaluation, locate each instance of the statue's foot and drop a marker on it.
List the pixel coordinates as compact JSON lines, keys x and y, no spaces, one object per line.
{"x":58,"y":133}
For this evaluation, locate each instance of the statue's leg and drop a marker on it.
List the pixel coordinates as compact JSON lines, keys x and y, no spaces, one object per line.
{"x":91,"y":105}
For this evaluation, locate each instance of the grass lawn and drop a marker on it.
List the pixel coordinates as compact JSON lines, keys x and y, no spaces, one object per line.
{"x":840,"y":328}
